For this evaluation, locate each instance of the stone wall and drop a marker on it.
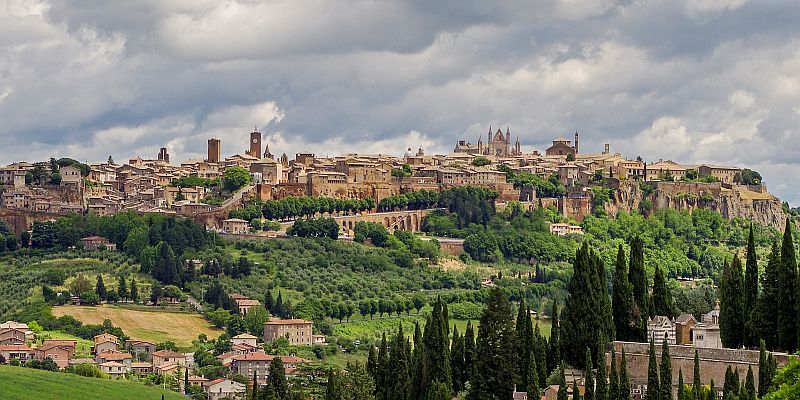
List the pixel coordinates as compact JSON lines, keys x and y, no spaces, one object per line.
{"x":713,"y":362}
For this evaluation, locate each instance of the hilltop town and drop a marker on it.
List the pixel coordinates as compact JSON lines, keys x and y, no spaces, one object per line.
{"x":563,"y":177}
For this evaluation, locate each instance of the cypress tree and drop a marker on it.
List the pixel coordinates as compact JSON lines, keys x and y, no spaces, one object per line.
{"x":662,"y":296}
{"x":622,"y":303}
{"x":122,"y":288}
{"x":731,"y":314}
{"x":712,"y":393}
{"x":332,"y":390}
{"x":540,"y":346}
{"x":638,"y":280}
{"x":269,"y":302}
{"x":381,"y":386}
{"x":253,"y":394}
{"x":436,"y":366}
{"x":749,"y":386}
{"x":457,"y":361}
{"x":613,"y":382}
{"x":277,"y":379}
{"x":763,"y":370}
{"x":589,"y":381}
{"x":750,"y":292}
{"x":624,"y":380}
{"x":554,"y":349}
{"x":735,"y":382}
{"x":562,"y":386}
{"x":681,"y":386}
{"x":533,"y":378}
{"x":787,"y":303}
{"x":524,"y":339}
{"x":496,"y":366}
{"x":469,"y":353}
{"x":666,"y":371}
{"x":278,"y":309}
{"x":372,"y":364}
{"x":186,"y":380}
{"x":587,"y":311}
{"x":576,"y":394}
{"x":697,"y":387}
{"x":653,"y":387}
{"x":418,"y":361}
{"x":728,"y":386}
{"x":100,"y":288}
{"x":601,"y":389}
{"x":398,"y":380}
{"x":767,"y":303}
{"x":134,"y":292}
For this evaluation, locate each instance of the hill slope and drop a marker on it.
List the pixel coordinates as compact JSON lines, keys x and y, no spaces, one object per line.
{"x":17,"y":383}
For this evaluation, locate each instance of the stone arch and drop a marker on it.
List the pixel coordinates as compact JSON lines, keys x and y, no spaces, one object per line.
{"x":408,"y":223}
{"x":402,"y":223}
{"x":386,"y":222}
{"x":350,"y":224}
{"x":415,"y":222}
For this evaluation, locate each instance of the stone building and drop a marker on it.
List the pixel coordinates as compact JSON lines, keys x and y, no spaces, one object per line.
{"x":297,"y":331}
{"x":706,"y":333}
{"x":659,"y":327}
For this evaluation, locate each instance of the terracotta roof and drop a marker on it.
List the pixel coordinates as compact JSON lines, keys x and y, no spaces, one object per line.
{"x":168,"y":354}
{"x":112,"y":364}
{"x":287,"y":322}
{"x":254,"y":357}
{"x":15,"y":347}
{"x":245,"y":336}
{"x":247,"y":302}
{"x":141,"y":365}
{"x":216,"y":381}
{"x":111,"y":356}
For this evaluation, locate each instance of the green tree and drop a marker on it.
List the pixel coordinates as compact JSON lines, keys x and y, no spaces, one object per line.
{"x":765,"y":370}
{"x":653,"y":386}
{"x":731,"y":314}
{"x":122,"y":288}
{"x":399,"y":386}
{"x":625,"y":321}
{"x":768,"y":301}
{"x":469,"y":353}
{"x":134,"y":292}
{"x":666,"y":371}
{"x":682,"y":394}
{"x":589,"y":381}
{"x":100,"y":288}
{"x":601,"y":389}
{"x":697,"y":386}
{"x":532,"y":381}
{"x":524,"y":337}
{"x":496,"y":346}
{"x":787,"y":296}
{"x":235,"y":178}
{"x":638,"y":280}
{"x":436,"y":365}
{"x":624,"y":379}
{"x":356,"y":384}
{"x":662,"y":296}
{"x":457,"y":361}
{"x":751,"y":293}
{"x":562,"y":385}
{"x":554,"y":349}
{"x":749,"y":392}
{"x":277,"y":379}
{"x":613,"y":381}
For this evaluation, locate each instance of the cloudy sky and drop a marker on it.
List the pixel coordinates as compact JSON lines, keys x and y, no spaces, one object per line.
{"x":689,"y":80}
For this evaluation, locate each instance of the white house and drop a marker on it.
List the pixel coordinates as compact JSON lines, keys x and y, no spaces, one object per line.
{"x":220,"y":388}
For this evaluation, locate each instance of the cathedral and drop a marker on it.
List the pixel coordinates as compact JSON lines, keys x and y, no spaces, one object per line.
{"x":497,"y":144}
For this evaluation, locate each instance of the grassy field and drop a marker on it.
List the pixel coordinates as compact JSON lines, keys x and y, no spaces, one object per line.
{"x":155,"y":326}
{"x":17,"y":383}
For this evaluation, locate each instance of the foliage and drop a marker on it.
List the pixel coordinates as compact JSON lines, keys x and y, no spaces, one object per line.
{"x":317,"y":228}
{"x":291,"y":207}
{"x":235,"y":178}
{"x":545,"y":187}
{"x":480,"y":161}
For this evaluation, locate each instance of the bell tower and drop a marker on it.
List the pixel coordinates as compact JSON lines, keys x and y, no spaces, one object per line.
{"x":255,"y":143}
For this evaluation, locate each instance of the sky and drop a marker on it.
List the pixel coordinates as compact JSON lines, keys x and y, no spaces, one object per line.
{"x":695,"y":81}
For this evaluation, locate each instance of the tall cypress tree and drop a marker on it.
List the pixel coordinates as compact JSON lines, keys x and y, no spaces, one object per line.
{"x":587,"y":312}
{"x":712,"y":392}
{"x":277,"y":379}
{"x":749,"y":386}
{"x":134,"y":292}
{"x":381,"y":386}
{"x":332,"y":389}
{"x":562,"y":386}
{"x":372,"y":364}
{"x":469,"y":353}
{"x":624,"y":379}
{"x":681,"y":386}
{"x":554,"y":348}
{"x":589,"y":381}
{"x":697,"y":386}
{"x":532,"y":382}
{"x":524,"y":337}
{"x":787,"y":303}
{"x":731,"y":314}
{"x":457,"y":361}
{"x":767,"y":303}
{"x":750,"y":292}
{"x":728,"y":388}
{"x":398,"y":379}
{"x":662,"y":296}
{"x":576,"y":393}
{"x":269,"y":302}
{"x":638,"y":280}
{"x":540,"y":348}
{"x":437,"y":349}
{"x":496,"y":365}
{"x":100,"y":288}
{"x":666,"y":371}
{"x":601,"y":389}
{"x":625,"y":322}
{"x":253,"y":393}
{"x":613,"y":381}
{"x":653,"y":386}
{"x":418,"y":361}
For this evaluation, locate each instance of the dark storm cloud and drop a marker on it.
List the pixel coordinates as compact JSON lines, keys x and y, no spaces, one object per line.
{"x":713,"y":81}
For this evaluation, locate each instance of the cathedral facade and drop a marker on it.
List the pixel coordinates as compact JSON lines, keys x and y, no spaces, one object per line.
{"x":498,"y":144}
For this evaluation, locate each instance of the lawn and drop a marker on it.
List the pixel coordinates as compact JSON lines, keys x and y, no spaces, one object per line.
{"x":17,"y":383}
{"x":155,"y":326}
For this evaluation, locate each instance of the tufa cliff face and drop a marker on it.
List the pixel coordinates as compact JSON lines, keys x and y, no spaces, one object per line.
{"x":748,"y":202}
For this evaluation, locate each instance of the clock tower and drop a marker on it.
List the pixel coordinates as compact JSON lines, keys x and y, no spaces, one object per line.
{"x":255,"y":143}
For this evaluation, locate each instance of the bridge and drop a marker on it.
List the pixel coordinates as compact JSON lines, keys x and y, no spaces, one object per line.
{"x":410,"y":220}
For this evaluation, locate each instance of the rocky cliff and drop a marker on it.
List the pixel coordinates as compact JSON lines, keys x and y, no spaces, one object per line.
{"x":748,"y":202}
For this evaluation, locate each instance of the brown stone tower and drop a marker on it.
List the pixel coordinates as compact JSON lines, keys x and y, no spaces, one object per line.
{"x":576,"y":142}
{"x":255,"y":143}
{"x":214,"y":151}
{"x":163,"y":155}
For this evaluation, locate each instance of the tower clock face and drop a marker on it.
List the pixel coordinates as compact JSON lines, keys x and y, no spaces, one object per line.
{"x":255,"y":140}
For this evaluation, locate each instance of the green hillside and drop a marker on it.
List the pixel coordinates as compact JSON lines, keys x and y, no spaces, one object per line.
{"x":25,"y":383}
